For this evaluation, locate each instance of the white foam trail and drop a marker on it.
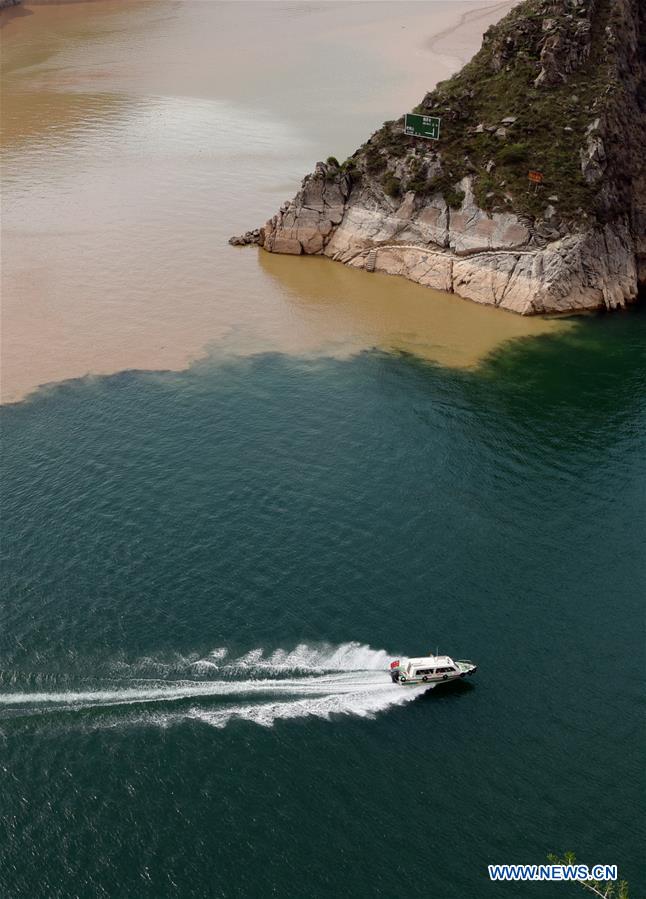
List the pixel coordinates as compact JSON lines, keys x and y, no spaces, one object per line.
{"x":347,"y":657}
{"x":350,"y":679}
{"x":210,"y":662}
{"x":192,"y":689}
{"x":325,"y":657}
{"x":364,"y":705}
{"x":351,"y":656}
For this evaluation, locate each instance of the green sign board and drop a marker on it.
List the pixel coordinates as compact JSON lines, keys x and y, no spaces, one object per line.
{"x":422,"y":126}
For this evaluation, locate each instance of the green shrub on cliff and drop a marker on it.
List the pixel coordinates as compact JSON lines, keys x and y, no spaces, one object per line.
{"x":454,"y":197}
{"x":511,"y":154}
{"x":391,"y":185}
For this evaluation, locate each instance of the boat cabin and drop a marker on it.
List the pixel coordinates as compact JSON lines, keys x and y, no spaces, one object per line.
{"x":429,"y":666}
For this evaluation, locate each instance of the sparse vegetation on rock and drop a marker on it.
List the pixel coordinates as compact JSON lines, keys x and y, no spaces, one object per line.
{"x":545,"y":92}
{"x":558,"y":88}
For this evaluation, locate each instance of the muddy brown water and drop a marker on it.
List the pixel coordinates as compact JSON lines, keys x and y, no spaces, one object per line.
{"x":138,"y":136}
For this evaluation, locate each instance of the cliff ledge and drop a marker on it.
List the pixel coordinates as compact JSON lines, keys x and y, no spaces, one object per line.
{"x":558,"y":87}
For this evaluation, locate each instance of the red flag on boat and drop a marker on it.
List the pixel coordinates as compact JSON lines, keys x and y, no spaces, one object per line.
{"x":395,"y":664}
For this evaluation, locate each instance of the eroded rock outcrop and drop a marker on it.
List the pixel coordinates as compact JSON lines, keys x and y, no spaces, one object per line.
{"x":560,"y":87}
{"x":305,"y":224}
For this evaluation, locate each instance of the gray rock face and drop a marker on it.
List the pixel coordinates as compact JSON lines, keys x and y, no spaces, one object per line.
{"x":581,"y":272}
{"x":566,"y":45}
{"x":305,"y":224}
{"x":320,"y":219}
{"x":593,"y":154}
{"x":593,"y":159}
{"x":581,"y":247}
{"x":585,"y":272}
{"x":471,"y":230}
{"x":496,"y":259}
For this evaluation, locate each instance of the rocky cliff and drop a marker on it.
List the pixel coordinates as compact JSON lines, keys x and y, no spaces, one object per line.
{"x":559,"y":87}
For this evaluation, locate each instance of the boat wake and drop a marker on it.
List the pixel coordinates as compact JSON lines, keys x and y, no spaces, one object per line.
{"x":350,"y":679}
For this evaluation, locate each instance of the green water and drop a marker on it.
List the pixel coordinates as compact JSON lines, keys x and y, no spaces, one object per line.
{"x":167,"y":535}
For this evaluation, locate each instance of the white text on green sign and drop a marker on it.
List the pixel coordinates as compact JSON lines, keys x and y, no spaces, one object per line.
{"x":422,"y":126}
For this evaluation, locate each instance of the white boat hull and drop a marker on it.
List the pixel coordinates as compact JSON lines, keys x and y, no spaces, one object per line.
{"x":402,"y":675}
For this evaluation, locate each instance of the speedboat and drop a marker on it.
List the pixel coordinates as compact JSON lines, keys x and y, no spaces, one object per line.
{"x":429,"y":670}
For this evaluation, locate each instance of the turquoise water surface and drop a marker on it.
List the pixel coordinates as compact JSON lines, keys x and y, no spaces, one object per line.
{"x":205,"y":575}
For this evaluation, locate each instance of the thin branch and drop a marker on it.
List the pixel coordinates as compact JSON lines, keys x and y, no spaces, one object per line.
{"x":588,"y":886}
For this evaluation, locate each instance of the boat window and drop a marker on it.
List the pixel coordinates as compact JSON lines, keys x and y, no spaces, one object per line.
{"x":421,"y":671}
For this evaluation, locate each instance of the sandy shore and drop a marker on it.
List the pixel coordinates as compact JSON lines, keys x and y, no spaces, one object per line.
{"x":127,"y":164}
